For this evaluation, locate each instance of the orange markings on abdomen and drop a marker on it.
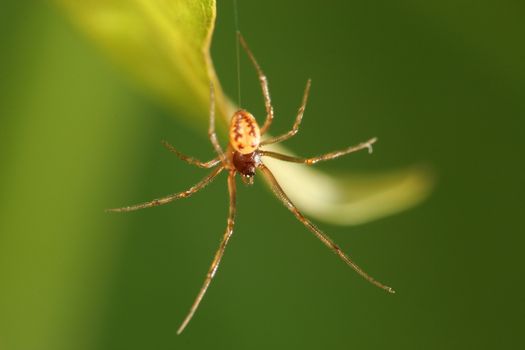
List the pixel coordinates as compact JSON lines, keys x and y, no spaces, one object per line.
{"x":245,"y":135}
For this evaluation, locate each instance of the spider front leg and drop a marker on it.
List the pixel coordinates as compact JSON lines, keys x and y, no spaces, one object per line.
{"x":218,"y":255}
{"x":328,"y":156}
{"x":297,"y":122}
{"x":164,"y":200}
{"x":191,"y":160}
{"x":264,"y":85}
{"x":317,"y":232}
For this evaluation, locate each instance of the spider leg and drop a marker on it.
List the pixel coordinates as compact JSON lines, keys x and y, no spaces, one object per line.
{"x":316,"y":231}
{"x":297,"y":122}
{"x":211,"y":130}
{"x":218,"y":255}
{"x":264,"y":85}
{"x":164,"y":200}
{"x":191,"y":160}
{"x":328,"y":156}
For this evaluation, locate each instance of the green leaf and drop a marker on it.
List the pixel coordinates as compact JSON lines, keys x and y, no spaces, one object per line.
{"x":352,"y":199}
{"x":165,"y":45}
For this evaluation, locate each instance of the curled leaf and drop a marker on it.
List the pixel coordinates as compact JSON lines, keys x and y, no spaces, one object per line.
{"x":165,"y":45}
{"x":351,"y":199}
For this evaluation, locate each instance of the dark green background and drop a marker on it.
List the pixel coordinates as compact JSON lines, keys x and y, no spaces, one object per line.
{"x":439,"y":82}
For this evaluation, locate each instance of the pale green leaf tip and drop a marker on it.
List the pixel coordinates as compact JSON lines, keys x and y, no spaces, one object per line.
{"x":353,"y":199}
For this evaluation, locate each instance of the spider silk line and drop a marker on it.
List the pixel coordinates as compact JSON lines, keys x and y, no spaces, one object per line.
{"x":237,"y":50}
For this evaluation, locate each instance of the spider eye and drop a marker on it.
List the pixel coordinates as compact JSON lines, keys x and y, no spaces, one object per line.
{"x":247,"y":179}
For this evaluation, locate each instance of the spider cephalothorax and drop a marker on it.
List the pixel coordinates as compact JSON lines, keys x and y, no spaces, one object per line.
{"x":246,"y":164}
{"x":244,"y":156}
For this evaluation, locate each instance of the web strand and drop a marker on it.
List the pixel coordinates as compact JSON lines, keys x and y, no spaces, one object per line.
{"x":237,"y":50}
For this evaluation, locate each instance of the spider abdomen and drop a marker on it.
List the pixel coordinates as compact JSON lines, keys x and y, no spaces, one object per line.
{"x":245,"y":135}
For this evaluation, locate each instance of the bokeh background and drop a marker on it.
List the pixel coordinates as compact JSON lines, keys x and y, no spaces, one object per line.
{"x":441,"y":83}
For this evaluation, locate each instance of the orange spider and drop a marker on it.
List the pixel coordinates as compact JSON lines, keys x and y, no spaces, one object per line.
{"x":244,"y":156}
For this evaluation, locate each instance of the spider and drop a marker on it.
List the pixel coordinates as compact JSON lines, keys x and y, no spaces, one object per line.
{"x":244,"y":156}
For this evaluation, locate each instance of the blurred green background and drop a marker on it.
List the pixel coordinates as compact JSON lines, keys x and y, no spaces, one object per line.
{"x":439,"y":82}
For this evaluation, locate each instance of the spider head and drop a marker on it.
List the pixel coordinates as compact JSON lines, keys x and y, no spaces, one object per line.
{"x":245,"y":135}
